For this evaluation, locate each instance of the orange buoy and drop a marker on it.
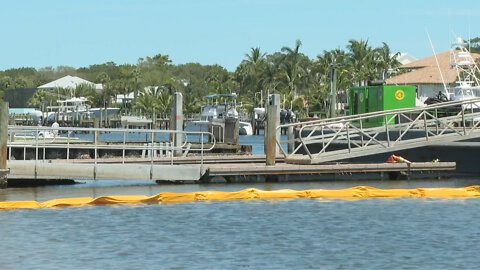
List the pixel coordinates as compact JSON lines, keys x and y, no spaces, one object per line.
{"x":397,"y":159}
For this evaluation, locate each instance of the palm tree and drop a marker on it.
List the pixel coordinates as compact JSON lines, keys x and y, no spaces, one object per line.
{"x":249,"y":72}
{"x":362,"y":57}
{"x":145,"y":103}
{"x":300,"y":105}
{"x":292,"y":65}
{"x":103,"y":78}
{"x":89,"y":92}
{"x":271,"y":77}
{"x":137,"y":74}
{"x":164,"y":102}
{"x":256,"y":57}
{"x":41,"y":97}
{"x":191,"y":103}
{"x":154,"y":99}
{"x":242,"y":77}
{"x":386,"y":60}
{"x":219,"y":81}
{"x":121,"y":87}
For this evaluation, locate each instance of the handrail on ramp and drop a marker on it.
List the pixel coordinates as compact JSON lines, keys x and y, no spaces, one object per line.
{"x":384,"y":131}
{"x":154,"y":141}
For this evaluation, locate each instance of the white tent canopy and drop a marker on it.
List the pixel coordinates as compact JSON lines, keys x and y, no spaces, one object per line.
{"x":69,"y":82}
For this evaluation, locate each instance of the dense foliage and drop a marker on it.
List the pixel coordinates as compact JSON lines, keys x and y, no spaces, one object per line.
{"x":304,"y":83}
{"x":475,"y":45}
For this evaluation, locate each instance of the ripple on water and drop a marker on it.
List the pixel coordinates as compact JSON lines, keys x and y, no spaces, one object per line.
{"x":294,"y":234}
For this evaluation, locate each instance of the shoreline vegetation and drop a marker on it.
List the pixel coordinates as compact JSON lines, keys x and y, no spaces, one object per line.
{"x":303,"y":83}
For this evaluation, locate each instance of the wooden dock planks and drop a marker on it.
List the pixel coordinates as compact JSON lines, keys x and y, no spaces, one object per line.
{"x":234,"y":165}
{"x":291,"y":169}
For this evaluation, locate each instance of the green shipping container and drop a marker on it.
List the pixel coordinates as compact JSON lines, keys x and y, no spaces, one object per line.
{"x":381,"y":98}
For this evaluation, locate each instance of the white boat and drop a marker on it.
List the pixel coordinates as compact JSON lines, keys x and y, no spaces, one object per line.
{"x":95,"y":112}
{"x":467,"y":85}
{"x":77,"y":108}
{"x":245,"y":128}
{"x":214,"y":115}
{"x":135,"y":122}
{"x":68,"y":109}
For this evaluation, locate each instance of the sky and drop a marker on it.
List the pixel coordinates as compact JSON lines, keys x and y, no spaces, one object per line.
{"x":80,"y":33}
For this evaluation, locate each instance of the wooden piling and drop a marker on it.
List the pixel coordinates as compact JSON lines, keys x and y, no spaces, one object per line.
{"x":96,"y":124}
{"x":178,"y":121}
{"x":271,"y":132}
{"x":291,"y":137}
{"x":3,"y":143}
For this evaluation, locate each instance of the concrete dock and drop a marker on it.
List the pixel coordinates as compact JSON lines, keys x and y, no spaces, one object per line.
{"x":292,"y":169}
{"x":223,"y":168}
{"x":31,"y":170}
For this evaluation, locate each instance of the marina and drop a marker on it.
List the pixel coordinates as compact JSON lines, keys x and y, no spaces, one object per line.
{"x":185,"y":135}
{"x":144,"y":155}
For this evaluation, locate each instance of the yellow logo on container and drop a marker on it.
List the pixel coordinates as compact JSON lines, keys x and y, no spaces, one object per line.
{"x":399,"y":94}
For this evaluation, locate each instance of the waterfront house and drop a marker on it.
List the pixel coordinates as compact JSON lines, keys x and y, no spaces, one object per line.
{"x":425,"y":75}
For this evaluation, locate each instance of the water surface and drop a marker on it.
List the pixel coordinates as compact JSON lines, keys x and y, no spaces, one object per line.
{"x":297,"y":234}
{"x":277,"y":234}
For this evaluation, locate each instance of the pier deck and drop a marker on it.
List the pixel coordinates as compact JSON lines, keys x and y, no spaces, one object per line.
{"x":190,"y":169}
{"x":31,"y":170}
{"x":292,"y":169}
{"x":222,"y":165}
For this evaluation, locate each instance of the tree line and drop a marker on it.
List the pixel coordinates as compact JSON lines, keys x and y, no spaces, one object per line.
{"x":303,"y":83}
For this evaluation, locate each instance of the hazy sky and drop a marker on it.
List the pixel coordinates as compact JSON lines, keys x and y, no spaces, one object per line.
{"x":79,"y":33}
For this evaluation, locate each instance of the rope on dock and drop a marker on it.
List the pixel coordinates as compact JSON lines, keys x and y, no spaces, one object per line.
{"x":356,"y":193}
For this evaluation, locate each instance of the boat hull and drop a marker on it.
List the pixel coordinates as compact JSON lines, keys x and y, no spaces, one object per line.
{"x":245,"y":128}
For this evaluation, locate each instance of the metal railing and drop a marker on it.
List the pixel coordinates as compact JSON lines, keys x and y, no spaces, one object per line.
{"x":145,"y":141}
{"x":378,"y":132}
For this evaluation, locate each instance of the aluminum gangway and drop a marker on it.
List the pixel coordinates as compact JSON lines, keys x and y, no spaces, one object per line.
{"x":354,"y":136}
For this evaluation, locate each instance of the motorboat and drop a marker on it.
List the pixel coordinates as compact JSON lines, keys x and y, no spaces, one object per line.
{"x":245,"y":128}
{"x":68,"y":109}
{"x":135,"y":121}
{"x":77,"y":108}
{"x":21,"y":113}
{"x":97,"y":112}
{"x":215,"y":114}
{"x":467,"y":85}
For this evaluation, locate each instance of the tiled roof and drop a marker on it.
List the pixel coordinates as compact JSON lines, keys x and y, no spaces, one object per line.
{"x":426,"y":71}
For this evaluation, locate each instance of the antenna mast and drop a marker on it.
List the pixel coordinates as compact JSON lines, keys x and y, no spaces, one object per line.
{"x":438,"y":66}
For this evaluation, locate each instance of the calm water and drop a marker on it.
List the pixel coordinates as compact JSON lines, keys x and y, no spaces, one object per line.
{"x":295,"y":234}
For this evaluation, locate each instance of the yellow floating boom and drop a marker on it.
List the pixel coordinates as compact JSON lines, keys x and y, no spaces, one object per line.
{"x":361,"y":192}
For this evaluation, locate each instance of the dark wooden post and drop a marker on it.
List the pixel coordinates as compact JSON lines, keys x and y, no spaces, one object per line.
{"x":291,"y":137}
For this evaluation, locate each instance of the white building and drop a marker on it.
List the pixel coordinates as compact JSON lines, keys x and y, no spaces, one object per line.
{"x":70,"y":82}
{"x":406,"y":58}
